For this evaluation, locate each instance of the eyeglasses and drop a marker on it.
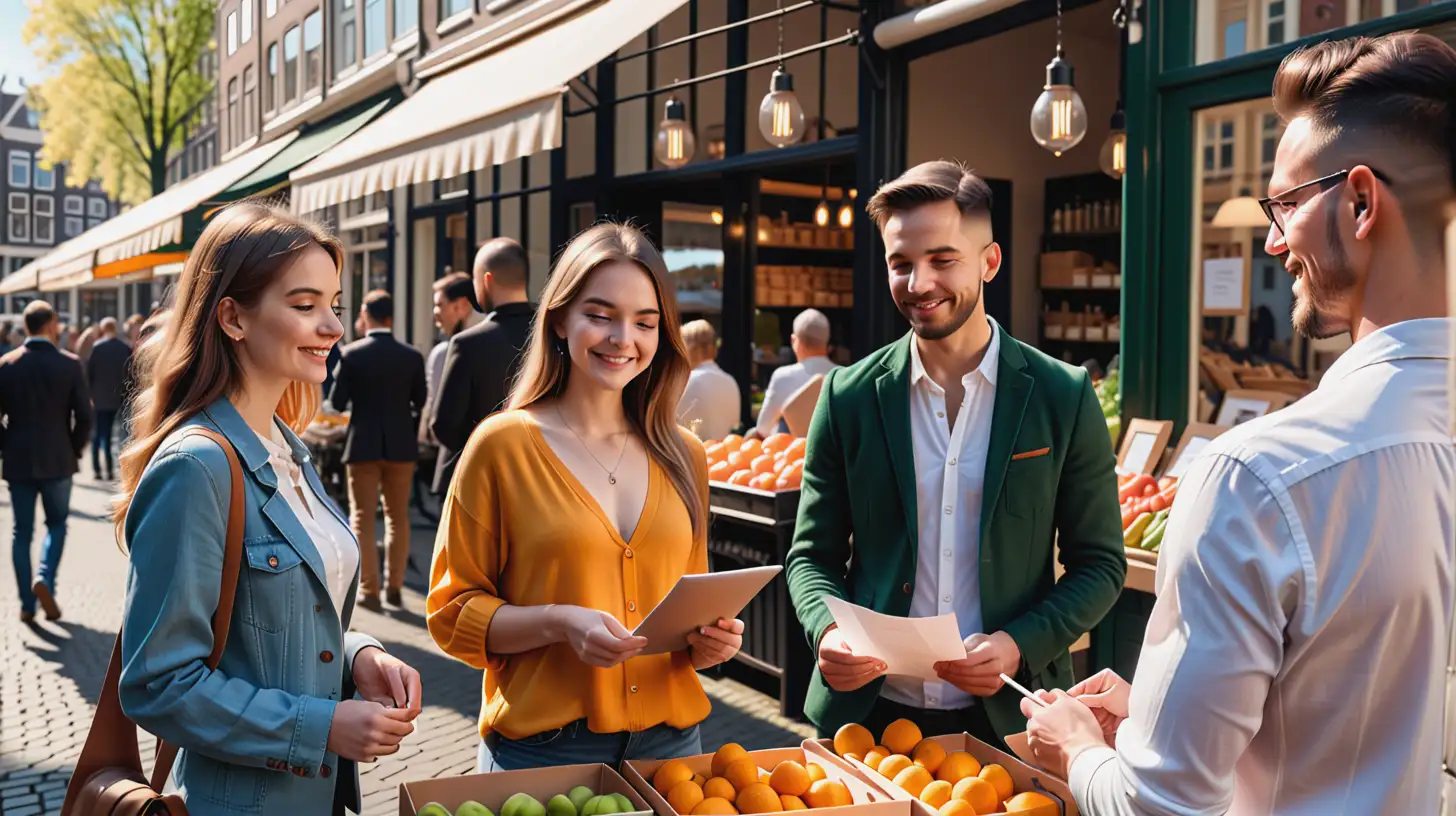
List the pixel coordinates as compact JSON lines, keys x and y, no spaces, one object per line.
{"x":1274,"y":206}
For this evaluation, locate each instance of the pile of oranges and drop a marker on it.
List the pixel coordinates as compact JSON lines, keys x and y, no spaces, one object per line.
{"x":775,"y":463}
{"x":738,"y":785}
{"x":954,"y":783}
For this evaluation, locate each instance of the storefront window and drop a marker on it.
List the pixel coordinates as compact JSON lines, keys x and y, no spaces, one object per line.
{"x":1228,"y":28}
{"x":692,"y":246}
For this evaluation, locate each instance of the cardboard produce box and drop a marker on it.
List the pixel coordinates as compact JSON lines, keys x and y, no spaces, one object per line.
{"x":869,"y":799}
{"x":493,"y":789}
{"x":1023,"y":776}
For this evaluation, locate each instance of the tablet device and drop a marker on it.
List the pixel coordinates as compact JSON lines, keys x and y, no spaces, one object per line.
{"x":700,"y":600}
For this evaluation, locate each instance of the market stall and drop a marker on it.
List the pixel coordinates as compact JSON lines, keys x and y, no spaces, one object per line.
{"x":325,"y":440}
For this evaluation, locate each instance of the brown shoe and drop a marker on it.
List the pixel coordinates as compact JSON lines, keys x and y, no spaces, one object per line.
{"x":27,"y":618}
{"x":47,"y":600}
{"x":369,"y":602}
{"x":394,"y":597}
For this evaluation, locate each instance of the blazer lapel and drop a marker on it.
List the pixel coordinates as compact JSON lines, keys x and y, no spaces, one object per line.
{"x":893,"y":389}
{"x":1013,"y":392}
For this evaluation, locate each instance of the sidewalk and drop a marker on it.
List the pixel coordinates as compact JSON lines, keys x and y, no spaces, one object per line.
{"x":50,"y":675}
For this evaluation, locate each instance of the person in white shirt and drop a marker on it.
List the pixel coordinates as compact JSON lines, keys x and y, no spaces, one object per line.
{"x":810,"y":342}
{"x":1294,"y":662}
{"x":711,"y":402}
{"x":453,"y":313}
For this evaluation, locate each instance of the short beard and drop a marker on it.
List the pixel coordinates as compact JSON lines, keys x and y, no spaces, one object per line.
{"x":963,"y":313}
{"x":1312,"y":314}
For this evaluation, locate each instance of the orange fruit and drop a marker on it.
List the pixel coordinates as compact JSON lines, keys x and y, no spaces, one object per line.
{"x":752,"y":446}
{"x":957,"y":766}
{"x":893,"y":765}
{"x":901,"y":736}
{"x":720,"y":471}
{"x":778,"y":442}
{"x":741,"y":477}
{"x":716,"y":452}
{"x":730,"y":753}
{"x":763,"y":481}
{"x":700,"y":780}
{"x":827,"y":793}
{"x":957,"y":807}
{"x":763,"y":464}
{"x":876,"y":756}
{"x":929,"y":755}
{"x":796,"y":449}
{"x":853,"y":738}
{"x":763,"y":776}
{"x":1000,"y":780}
{"x":715,"y":807}
{"x":791,"y":778}
{"x":1033,"y":804}
{"x":855,"y":757}
{"x":790,"y":479}
{"x":732,"y":441}
{"x":742,"y":773}
{"x":913,"y":780}
{"x":685,"y":796}
{"x":979,"y":793}
{"x":936,"y":794}
{"x":720,"y":788}
{"x":758,"y":798}
{"x":739,"y":459}
{"x":816,"y":773}
{"x":780,"y":464}
{"x":672,"y":772}
{"x":792,"y":802}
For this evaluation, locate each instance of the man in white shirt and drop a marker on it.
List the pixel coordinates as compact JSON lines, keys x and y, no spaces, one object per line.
{"x":1295,"y":660}
{"x":810,"y":342}
{"x":711,"y":402}
{"x":453,"y":311}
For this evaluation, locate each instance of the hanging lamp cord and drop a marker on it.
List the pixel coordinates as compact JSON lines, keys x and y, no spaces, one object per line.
{"x":1059,"y":28}
{"x":780,"y":8}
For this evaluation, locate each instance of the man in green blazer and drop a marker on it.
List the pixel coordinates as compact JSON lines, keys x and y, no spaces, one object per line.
{"x":942,"y":473}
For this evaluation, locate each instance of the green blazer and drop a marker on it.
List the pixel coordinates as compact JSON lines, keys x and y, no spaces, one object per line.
{"x":856,"y":537}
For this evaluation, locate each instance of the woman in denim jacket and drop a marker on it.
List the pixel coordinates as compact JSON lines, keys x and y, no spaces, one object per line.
{"x":274,"y":728}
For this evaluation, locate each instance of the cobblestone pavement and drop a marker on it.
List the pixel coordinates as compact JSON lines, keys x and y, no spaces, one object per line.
{"x":50,"y":675}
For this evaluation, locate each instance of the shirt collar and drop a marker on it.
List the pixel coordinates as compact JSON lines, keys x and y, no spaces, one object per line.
{"x":46,"y":340}
{"x":989,"y":363}
{"x":1428,"y":338}
{"x":707,"y":365}
{"x":377,"y":332}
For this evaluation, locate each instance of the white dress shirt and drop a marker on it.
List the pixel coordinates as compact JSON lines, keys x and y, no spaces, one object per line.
{"x":1294,"y":662}
{"x":711,"y":402}
{"x":335,"y":543}
{"x":950,"y":476}
{"x":786,"y":382}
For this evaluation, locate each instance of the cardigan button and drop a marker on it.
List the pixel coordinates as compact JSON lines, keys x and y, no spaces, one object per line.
{"x":631,"y":606}
{"x":273,"y":561}
{"x":326,"y":656}
{"x":628,"y":554}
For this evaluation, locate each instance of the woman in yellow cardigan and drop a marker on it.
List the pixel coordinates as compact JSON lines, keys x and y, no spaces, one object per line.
{"x":570,"y":517}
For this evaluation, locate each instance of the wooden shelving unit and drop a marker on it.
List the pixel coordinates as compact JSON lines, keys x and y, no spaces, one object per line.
{"x":1082,"y":214}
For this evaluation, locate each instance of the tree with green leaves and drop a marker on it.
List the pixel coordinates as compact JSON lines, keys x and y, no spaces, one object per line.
{"x":125,"y":87}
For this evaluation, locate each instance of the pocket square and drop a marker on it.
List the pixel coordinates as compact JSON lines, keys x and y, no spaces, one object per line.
{"x":1031,"y":454}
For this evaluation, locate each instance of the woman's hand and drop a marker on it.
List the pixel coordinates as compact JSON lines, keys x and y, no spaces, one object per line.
{"x":598,"y":638}
{"x":715,"y":644}
{"x":385,"y":679}
{"x":364,"y":731}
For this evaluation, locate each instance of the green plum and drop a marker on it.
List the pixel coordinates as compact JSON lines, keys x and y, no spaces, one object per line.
{"x":473,"y":808}
{"x":624,"y":805}
{"x":560,"y":806}
{"x":579,"y":796}
{"x":433,"y":809}
{"x":523,"y":804}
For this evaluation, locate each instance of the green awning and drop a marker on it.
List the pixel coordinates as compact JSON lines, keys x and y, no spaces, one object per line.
{"x":308,"y":146}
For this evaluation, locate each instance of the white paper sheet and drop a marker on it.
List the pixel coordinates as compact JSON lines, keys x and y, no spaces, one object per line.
{"x":909,"y":647}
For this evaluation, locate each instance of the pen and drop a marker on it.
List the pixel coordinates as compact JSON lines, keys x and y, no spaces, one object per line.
{"x":1024,"y":693}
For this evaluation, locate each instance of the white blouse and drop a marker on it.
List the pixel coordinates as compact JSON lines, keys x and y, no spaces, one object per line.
{"x":335,"y":543}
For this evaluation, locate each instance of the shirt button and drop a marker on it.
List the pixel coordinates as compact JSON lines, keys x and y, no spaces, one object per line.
{"x":634,"y":689}
{"x":318,"y":607}
{"x":326,"y":656}
{"x":948,"y":510}
{"x":627,"y":554}
{"x":631,"y":606}
{"x":273,"y":561}
{"x":946,"y":599}
{"x":907,"y":589}
{"x":951,"y":463}
{"x":940,"y":414}
{"x":945,"y":553}
{"x":932,"y":700}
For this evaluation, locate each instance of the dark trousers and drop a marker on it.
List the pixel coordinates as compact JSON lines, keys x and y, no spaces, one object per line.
{"x":935,"y":722}
{"x":55,"y":499}
{"x":101,"y":440}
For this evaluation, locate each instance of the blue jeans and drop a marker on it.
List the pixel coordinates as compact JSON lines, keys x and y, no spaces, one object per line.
{"x":575,"y":745}
{"x":101,"y":443}
{"x":55,"y":499}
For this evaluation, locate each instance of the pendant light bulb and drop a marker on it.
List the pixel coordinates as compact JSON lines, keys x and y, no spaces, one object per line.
{"x":821,"y":212}
{"x":675,"y":142}
{"x":846,"y":215}
{"x":1059,"y":119}
{"x":780,"y":116}
{"x":1113,"y":158}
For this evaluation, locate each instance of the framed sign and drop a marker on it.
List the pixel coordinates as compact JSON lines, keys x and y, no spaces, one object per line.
{"x":1195,"y":438}
{"x":1225,"y":287}
{"x":1242,"y":405}
{"x":1143,"y":445}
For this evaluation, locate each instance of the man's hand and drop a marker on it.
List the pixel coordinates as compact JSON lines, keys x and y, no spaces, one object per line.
{"x":385,"y":679}
{"x":1106,"y":694}
{"x":844,"y":670}
{"x":1060,"y":731}
{"x":987,"y":658}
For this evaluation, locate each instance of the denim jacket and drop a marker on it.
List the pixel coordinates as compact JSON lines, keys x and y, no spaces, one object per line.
{"x":253,"y":733}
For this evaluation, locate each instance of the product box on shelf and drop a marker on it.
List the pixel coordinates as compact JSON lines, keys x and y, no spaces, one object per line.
{"x":1025,"y":778}
{"x":1066,"y":270}
{"x":868,"y":799}
{"x":493,"y":789}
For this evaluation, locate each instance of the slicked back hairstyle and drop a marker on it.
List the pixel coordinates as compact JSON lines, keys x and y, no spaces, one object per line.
{"x":929,"y":183}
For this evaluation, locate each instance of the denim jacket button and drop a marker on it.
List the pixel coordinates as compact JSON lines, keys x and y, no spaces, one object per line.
{"x":326,"y":656}
{"x":273,"y":561}
{"x":324,"y":771}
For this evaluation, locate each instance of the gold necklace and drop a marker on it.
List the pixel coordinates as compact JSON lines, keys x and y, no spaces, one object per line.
{"x":611,"y":473}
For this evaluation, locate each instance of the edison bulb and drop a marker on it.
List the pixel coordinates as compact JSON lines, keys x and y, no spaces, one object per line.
{"x":1114,"y":154}
{"x":1059,"y":119}
{"x":675,"y":142}
{"x":717,"y":216}
{"x":780,"y":116}
{"x":821,"y":213}
{"x":846,"y":216}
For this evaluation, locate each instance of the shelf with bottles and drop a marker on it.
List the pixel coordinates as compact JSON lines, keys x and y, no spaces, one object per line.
{"x":804,"y":286}
{"x":1083,"y":212}
{"x":780,"y":233}
{"x":1089,"y":324}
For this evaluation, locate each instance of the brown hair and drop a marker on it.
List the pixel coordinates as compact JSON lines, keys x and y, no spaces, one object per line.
{"x":1400,"y":86}
{"x":455,"y":285}
{"x":241,"y":252}
{"x":379,"y":305}
{"x":929,"y":183}
{"x":651,"y":399}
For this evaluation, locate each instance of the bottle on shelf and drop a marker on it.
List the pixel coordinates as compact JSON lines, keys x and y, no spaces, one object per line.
{"x":1057,"y":222}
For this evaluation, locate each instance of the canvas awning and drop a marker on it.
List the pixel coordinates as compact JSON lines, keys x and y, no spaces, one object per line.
{"x":504,"y":106}
{"x":273,"y":174}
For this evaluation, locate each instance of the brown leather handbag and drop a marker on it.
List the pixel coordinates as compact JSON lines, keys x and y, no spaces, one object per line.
{"x":108,"y":780}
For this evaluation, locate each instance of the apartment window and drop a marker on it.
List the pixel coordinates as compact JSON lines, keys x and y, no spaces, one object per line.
{"x":250,"y":101}
{"x":232,"y":33}
{"x":1218,"y":148}
{"x":44,"y":179}
{"x":1235,"y":38}
{"x":1269,"y":136}
{"x":96,"y":208}
{"x":375,"y":36}
{"x":45,"y":220}
{"x":19,"y":217}
{"x":270,"y":8}
{"x":406,"y":16}
{"x":450,"y":8}
{"x":270,"y":85}
{"x":1274,"y":23}
{"x":247,"y":20}
{"x":313,"y":51}
{"x":234,"y":132}
{"x":290,"y":66}
{"x":346,"y":37}
{"x":74,"y":226}
{"x":32,"y":118}
{"x":75,"y":205}
{"x":19,"y":169}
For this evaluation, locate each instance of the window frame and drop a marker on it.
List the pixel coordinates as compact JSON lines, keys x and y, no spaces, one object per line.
{"x":230,"y":136}
{"x":91,"y":208}
{"x":79,"y":209}
{"x":232,"y":33}
{"x":347,"y":25}
{"x":293,"y":91}
{"x":367,"y":24}
{"x":23,"y":211}
{"x":46,"y":219}
{"x":250,"y":101}
{"x":35,"y":175}
{"x":270,"y":9}
{"x":414,"y":27}
{"x":313,"y":58}
{"x":26,"y":161}
{"x":245,"y":25}
{"x":73,"y":226}
{"x":271,"y":56}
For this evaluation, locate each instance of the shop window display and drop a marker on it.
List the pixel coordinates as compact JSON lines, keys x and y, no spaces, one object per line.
{"x":1230,"y":28}
{"x":692,"y":246}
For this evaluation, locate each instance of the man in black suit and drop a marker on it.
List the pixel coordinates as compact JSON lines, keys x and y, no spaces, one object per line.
{"x":106,"y":374}
{"x":47,"y":414}
{"x":481,"y":363}
{"x":384,"y":380}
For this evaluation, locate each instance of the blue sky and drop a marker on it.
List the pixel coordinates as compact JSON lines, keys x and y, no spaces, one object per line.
{"x":15,"y":59}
